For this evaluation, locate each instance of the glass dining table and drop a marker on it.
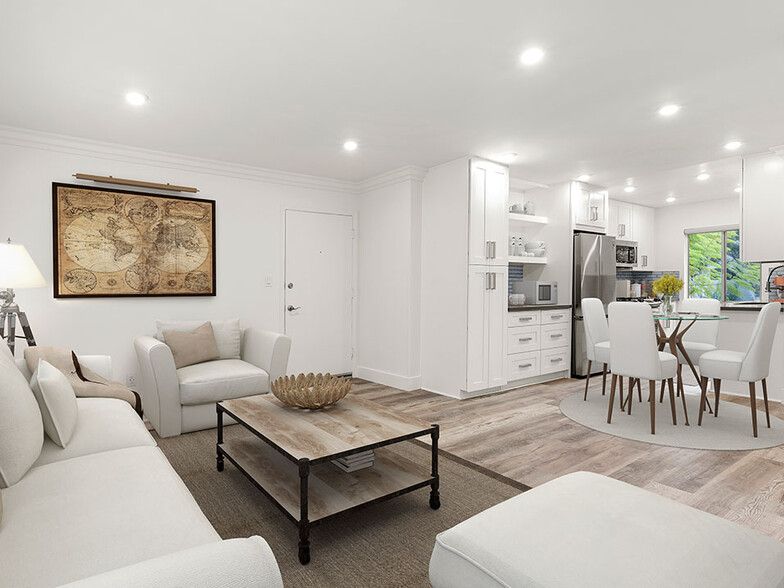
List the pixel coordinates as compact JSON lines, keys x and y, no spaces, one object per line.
{"x":674,"y":339}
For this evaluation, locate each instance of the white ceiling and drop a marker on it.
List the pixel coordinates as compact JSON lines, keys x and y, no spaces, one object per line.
{"x":283,"y":84}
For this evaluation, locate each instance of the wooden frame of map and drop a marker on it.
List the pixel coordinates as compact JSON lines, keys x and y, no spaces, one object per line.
{"x":111,"y":242}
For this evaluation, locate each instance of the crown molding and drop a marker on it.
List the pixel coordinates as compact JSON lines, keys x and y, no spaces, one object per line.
{"x":778,"y":150}
{"x":114,"y":152}
{"x":520,"y":185}
{"x":396,"y":176}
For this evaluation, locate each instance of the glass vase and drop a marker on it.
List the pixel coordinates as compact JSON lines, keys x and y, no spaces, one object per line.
{"x":667,"y":305}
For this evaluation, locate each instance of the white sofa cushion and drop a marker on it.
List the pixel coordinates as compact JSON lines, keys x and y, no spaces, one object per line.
{"x":220,"y":380}
{"x":588,"y":530}
{"x":57,"y":402}
{"x":227,"y":334}
{"x":104,"y":424}
{"x":245,"y":563}
{"x":21,"y":425}
{"x":75,"y":518}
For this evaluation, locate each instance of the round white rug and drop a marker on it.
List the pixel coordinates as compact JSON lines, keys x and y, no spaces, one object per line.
{"x":730,"y":431}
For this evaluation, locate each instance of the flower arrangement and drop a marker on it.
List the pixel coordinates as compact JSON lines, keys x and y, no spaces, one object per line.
{"x":667,"y":285}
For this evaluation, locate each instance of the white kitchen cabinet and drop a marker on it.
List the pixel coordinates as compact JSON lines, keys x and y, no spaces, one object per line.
{"x":486,"y":351}
{"x":540,"y":350}
{"x":464,"y":289}
{"x":645,"y":236}
{"x":762,"y":207}
{"x":590,"y":207}
{"x":488,"y":223}
{"x":620,"y":222}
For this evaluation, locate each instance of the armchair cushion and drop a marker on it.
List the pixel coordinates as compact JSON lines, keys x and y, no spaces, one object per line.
{"x":57,"y":402}
{"x":190,"y":348}
{"x":220,"y":380}
{"x":227,"y":334}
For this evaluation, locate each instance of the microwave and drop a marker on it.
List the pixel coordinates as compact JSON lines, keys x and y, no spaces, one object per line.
{"x":540,"y":292}
{"x":626,"y":254}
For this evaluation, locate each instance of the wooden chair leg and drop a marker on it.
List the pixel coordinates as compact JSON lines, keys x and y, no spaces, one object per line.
{"x":685,"y":410}
{"x":612,"y":398}
{"x":653,"y":406}
{"x":671,"y":386}
{"x":753,"y":398}
{"x":661,"y":393}
{"x":765,"y":396}
{"x":679,"y":390}
{"x":587,"y":379}
{"x":604,"y":378}
{"x":639,"y":391}
{"x":621,"y":399}
{"x":631,"y":396}
{"x":703,"y":394}
{"x":716,"y":392}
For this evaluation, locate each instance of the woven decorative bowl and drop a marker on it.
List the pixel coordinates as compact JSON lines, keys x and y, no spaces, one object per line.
{"x":310,"y":391}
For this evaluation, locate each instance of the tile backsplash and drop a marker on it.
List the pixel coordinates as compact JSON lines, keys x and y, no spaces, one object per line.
{"x":515,"y":274}
{"x":645,"y":279}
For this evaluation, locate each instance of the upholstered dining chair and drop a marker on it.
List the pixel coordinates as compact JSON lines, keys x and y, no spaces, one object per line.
{"x":701,"y":337}
{"x":750,"y":366}
{"x":634,"y":353}
{"x":597,"y":339}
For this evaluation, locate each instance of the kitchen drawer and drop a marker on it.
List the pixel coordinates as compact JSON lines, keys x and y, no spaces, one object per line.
{"x":554,"y":335}
{"x":523,"y":365}
{"x":524,"y":318}
{"x":554,"y":360}
{"x":556,"y":316}
{"x":522,"y":339}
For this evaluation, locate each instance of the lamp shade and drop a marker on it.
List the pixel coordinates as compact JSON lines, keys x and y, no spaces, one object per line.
{"x":17,"y":268}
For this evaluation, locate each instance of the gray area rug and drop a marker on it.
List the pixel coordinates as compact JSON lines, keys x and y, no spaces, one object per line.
{"x":731,"y":430}
{"x":386,"y":544}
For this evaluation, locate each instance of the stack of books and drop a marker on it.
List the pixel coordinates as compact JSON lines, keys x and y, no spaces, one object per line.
{"x":358,"y":461}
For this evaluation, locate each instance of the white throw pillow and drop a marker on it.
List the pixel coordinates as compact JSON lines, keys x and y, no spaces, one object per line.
{"x":21,"y":427}
{"x":227,"y":334}
{"x":57,"y":401}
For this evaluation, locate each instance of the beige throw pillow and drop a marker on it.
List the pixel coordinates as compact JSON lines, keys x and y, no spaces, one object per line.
{"x":228,"y":334}
{"x":57,"y":402}
{"x":195,"y":347}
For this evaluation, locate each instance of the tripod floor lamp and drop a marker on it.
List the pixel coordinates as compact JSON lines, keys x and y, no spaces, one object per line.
{"x":17,"y":270}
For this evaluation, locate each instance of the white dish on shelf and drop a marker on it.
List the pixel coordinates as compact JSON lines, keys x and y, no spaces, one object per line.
{"x":534,"y":245}
{"x":537,"y":252}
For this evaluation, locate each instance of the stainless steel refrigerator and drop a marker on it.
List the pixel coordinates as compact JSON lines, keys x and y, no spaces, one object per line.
{"x":593,"y":276}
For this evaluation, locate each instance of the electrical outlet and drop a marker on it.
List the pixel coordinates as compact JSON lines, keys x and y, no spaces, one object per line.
{"x":130,"y":380}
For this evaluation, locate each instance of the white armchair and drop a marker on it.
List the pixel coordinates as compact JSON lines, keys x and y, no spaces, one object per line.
{"x":183,"y":400}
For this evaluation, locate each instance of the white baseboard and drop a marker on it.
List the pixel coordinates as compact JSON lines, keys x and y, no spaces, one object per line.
{"x":406,"y":383}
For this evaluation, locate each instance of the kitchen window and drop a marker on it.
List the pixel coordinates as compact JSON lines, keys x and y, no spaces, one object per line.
{"x":715,"y":269}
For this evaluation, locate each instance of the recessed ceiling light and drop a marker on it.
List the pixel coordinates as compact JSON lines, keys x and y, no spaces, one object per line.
{"x":350,"y":145}
{"x":669,"y":109}
{"x":583,"y":178}
{"x":532,"y":56}
{"x":733,"y":145}
{"x":508,"y":157}
{"x":671,"y":199}
{"x":739,"y":189}
{"x":136,"y":98}
{"x":703,"y":176}
{"x":629,"y":189}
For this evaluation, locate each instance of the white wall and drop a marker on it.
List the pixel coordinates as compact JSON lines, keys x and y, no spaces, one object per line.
{"x":671,"y":221}
{"x":389,"y":280}
{"x":249,"y":238}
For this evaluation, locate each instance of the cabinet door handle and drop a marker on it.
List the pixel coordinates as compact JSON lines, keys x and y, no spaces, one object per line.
{"x":556,"y":360}
{"x":522,"y":366}
{"x":487,"y":250}
{"x":492,"y":249}
{"x":622,"y":229}
{"x":644,"y":261}
{"x":495,"y":277}
{"x":524,"y":339}
{"x":488,"y":282}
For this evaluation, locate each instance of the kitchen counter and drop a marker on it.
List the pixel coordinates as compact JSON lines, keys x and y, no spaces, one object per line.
{"x":752,"y":306}
{"x":539,"y":307}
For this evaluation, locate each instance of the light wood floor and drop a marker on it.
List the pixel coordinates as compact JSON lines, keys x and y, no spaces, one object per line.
{"x":523,"y":435}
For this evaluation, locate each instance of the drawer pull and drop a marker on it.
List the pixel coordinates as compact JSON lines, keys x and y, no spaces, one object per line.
{"x":556,"y":316}
{"x":525,"y":318}
{"x":525,"y":365}
{"x":555,"y":335}
{"x":524,"y":339}
{"x":556,"y":360}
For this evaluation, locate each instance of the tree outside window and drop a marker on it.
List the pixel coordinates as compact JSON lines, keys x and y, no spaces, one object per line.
{"x":715,"y":269}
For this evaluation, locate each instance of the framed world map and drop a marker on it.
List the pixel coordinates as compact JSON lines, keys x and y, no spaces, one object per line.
{"x":118,"y":243}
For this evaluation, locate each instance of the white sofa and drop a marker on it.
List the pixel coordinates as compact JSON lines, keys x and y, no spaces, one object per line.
{"x":109,"y":510}
{"x":183,"y":400}
{"x":588,"y":530}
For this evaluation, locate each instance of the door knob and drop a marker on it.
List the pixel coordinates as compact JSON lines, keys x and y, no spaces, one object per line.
{"x":293,"y":308}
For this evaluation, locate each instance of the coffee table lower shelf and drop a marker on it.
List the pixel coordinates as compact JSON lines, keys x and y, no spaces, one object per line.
{"x":328,"y":491}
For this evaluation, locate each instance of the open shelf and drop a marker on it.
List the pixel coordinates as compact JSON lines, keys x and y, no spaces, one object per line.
{"x":528,"y":260}
{"x":527,"y":218}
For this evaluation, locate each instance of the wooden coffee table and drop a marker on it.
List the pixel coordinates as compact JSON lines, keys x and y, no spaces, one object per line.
{"x":289,"y":457}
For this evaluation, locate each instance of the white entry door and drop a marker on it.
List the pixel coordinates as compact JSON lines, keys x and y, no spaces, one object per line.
{"x":318,"y":291}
